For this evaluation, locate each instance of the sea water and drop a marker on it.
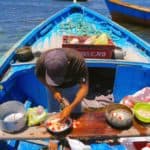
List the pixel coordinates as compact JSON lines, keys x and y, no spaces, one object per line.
{"x":17,"y":17}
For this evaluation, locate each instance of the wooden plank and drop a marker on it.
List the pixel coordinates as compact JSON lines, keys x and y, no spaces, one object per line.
{"x":92,"y":126}
{"x":35,"y":132}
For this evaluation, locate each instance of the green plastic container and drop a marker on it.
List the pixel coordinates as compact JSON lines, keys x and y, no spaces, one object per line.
{"x":142,"y":111}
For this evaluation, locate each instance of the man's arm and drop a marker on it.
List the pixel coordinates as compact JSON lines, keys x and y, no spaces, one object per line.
{"x":81,"y":93}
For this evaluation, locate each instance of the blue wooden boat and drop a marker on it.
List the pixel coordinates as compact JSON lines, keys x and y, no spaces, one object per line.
{"x":126,"y":12}
{"x":122,"y":77}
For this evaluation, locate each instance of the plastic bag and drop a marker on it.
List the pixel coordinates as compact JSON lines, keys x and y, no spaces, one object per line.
{"x":36,"y":115}
{"x":142,"y":95}
{"x":77,"y":145}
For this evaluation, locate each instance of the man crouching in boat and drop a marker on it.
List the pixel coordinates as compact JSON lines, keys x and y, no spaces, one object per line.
{"x":65,"y":74}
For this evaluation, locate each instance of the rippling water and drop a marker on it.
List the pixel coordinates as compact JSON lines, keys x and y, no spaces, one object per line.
{"x":17,"y":17}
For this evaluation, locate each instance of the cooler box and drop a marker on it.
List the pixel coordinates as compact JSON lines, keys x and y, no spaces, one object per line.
{"x":89,"y":50}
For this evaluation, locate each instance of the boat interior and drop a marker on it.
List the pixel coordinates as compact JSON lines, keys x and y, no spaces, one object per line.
{"x":21,"y":83}
{"x":119,"y":77}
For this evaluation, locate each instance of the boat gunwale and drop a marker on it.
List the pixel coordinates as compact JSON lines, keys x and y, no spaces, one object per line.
{"x":131,"y":6}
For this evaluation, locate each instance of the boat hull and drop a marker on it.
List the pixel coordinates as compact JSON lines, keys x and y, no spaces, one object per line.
{"x":18,"y":80}
{"x":121,"y":17}
{"x":22,"y":85}
{"x":124,"y":12}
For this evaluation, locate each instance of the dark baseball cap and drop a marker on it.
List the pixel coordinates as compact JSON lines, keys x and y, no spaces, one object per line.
{"x":56,"y":63}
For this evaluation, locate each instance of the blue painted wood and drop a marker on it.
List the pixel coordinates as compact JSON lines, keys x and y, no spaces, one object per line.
{"x":130,"y":10}
{"x":28,"y":146}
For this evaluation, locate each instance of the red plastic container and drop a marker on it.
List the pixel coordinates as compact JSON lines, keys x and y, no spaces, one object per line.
{"x":140,"y":145}
{"x":90,"y":51}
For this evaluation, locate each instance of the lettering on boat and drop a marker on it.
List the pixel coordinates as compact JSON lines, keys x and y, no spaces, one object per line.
{"x":94,"y":54}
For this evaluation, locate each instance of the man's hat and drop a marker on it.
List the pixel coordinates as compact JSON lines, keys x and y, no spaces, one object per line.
{"x":56,"y":64}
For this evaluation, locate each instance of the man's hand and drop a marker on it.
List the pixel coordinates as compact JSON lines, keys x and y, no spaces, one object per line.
{"x":58,"y":96}
{"x":64,"y":114}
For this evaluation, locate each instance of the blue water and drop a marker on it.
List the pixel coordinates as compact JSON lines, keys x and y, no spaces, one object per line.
{"x":18,"y":17}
